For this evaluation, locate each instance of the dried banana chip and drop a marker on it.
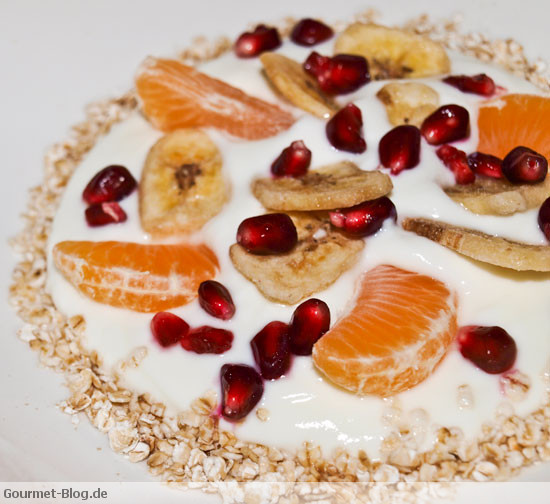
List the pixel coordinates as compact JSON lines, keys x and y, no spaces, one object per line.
{"x":320,"y":257}
{"x":338,"y":185}
{"x":483,"y":247}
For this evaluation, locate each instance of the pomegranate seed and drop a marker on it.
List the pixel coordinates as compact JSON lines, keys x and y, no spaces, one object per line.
{"x":544,"y":218}
{"x":524,"y":166}
{"x":206,"y":339}
{"x":113,"y":183}
{"x":480,"y":84}
{"x":267,"y":234}
{"x":345,"y":130}
{"x":293,"y":161}
{"x":491,"y":349}
{"x":168,"y":329}
{"x":485,"y":164}
{"x":242,"y":388}
{"x":456,"y":161}
{"x":399,"y":149}
{"x":271,"y":350}
{"x":447,"y":124}
{"x":309,"y":322}
{"x":216,"y":300}
{"x":365,"y":218}
{"x":101,"y":214}
{"x":308,"y":32}
{"x":262,"y":39}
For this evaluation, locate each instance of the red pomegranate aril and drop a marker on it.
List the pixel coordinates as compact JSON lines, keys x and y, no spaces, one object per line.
{"x":263,"y":38}
{"x":293,"y":161}
{"x":524,"y":166}
{"x":206,"y":339}
{"x":101,"y":214}
{"x":399,"y":148}
{"x":447,"y":124}
{"x":168,"y":329}
{"x":544,"y":218}
{"x":480,"y":84}
{"x":242,"y":388}
{"x":309,"y":322}
{"x":309,"y":32}
{"x":485,"y":164}
{"x":341,"y":74}
{"x":456,"y":160}
{"x":345,"y":130}
{"x":491,"y":349}
{"x":365,"y":218}
{"x":215,"y":299}
{"x":267,"y":234}
{"x":113,"y":183}
{"x":271,"y":350}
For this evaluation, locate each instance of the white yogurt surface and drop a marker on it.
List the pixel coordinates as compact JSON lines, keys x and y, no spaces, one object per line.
{"x":303,"y":406}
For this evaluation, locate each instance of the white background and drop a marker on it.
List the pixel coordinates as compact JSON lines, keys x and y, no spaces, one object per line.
{"x":58,"y":55}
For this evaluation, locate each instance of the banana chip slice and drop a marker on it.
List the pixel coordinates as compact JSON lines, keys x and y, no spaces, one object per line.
{"x":408,"y":102}
{"x":182,"y":186}
{"x":499,"y":197}
{"x":393,"y":53}
{"x":483,"y":247}
{"x":290,"y":79}
{"x":320,"y":257}
{"x":338,"y":185}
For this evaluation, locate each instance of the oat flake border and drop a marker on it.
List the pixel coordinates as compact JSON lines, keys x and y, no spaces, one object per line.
{"x":191,"y":448}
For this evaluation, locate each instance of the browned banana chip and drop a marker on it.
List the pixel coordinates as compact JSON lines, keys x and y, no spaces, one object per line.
{"x":338,"y":185}
{"x":483,"y":247}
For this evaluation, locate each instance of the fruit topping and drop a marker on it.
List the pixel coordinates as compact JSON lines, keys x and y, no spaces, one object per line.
{"x":485,"y":164}
{"x":271,"y":350}
{"x":207,"y":339}
{"x":267,"y":234}
{"x":408,"y":102}
{"x":216,"y":300}
{"x":345,"y":130}
{"x":333,"y":186}
{"x":263,"y":38}
{"x":320,"y":257}
{"x":544,"y":218}
{"x":456,"y":160}
{"x":293,"y":161}
{"x":480,"y":84}
{"x":309,"y":322}
{"x":100,"y":214}
{"x":294,"y":84}
{"x":308,"y":32}
{"x":242,"y":388}
{"x":113,"y":183}
{"x":447,"y":124}
{"x":364,"y":219}
{"x":491,"y":349}
{"x":168,"y":329}
{"x":341,"y":74}
{"x":393,"y":53}
{"x":524,"y":166}
{"x":399,"y":149}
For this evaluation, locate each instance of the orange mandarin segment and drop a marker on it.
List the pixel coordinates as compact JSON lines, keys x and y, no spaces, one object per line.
{"x":512,"y":120}
{"x":145,"y":278}
{"x":398,"y":331}
{"x":175,"y":95}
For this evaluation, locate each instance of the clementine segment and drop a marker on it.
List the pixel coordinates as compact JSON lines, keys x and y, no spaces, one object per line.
{"x":513,"y":120}
{"x":398,"y":331}
{"x":175,"y":95}
{"x":145,"y":278}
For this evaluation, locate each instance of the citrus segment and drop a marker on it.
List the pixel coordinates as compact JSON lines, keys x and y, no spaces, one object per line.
{"x":399,"y":329}
{"x":175,"y":95}
{"x":145,"y":278}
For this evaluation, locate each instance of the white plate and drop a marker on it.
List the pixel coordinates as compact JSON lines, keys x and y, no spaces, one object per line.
{"x":61,"y":54}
